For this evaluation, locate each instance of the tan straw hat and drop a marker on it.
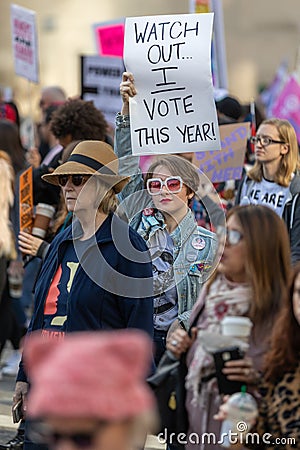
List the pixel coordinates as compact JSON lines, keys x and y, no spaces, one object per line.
{"x":91,"y":158}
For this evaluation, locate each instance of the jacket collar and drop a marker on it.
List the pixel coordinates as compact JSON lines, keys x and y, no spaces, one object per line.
{"x":184,"y":229}
{"x":103,"y":234}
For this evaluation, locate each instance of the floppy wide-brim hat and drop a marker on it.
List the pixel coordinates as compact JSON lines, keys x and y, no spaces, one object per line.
{"x":94,"y":158}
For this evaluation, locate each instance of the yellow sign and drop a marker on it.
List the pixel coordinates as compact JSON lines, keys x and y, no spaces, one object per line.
{"x":202,"y":6}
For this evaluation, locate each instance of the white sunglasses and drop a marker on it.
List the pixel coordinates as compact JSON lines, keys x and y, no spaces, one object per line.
{"x":172,"y":184}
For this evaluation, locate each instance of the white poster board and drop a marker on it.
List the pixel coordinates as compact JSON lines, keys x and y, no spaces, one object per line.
{"x":24,"y":42}
{"x":100,"y":81}
{"x":174,"y":109}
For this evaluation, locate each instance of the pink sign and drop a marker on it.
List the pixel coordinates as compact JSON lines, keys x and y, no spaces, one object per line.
{"x":288,"y":104}
{"x":110,"y":39}
{"x":24,"y":42}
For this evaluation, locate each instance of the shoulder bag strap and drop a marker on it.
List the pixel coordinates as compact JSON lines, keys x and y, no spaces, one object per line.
{"x":194,"y":323}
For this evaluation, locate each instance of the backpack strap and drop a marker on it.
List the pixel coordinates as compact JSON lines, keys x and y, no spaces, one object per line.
{"x":246,"y":181}
{"x":292,"y":211}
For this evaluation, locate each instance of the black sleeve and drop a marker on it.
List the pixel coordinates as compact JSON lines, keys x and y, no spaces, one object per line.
{"x":239,"y":190}
{"x":294,"y":232}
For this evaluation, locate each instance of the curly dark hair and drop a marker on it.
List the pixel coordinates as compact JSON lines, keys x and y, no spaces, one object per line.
{"x":80,"y":119}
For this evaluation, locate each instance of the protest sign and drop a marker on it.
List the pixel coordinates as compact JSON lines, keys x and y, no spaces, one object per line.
{"x":26,"y":200}
{"x":24,"y":42}
{"x":110,"y":38}
{"x":200,"y":6}
{"x":226,"y":164}
{"x":100,"y":83}
{"x":174,"y":109}
{"x":287,"y":105}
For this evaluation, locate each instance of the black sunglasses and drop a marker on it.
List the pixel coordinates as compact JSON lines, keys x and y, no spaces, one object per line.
{"x":77,"y":180}
{"x":40,"y":433}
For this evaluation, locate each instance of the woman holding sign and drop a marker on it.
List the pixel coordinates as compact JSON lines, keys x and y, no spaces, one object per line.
{"x":157,"y":206}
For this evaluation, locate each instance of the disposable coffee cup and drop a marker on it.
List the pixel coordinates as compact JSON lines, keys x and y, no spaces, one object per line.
{"x":241,"y":415}
{"x":43,"y":215}
{"x":236,"y":326}
{"x":15,"y":285}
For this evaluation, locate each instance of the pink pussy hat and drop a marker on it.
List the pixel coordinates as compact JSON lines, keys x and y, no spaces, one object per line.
{"x":89,"y":375}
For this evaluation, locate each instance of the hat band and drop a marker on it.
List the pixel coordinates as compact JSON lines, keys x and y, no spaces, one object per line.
{"x":90,"y":162}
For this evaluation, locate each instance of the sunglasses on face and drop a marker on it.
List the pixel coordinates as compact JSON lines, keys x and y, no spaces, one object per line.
{"x":40,"y":433}
{"x":173,"y":185}
{"x":264,"y":140}
{"x":233,"y":237}
{"x":77,"y":180}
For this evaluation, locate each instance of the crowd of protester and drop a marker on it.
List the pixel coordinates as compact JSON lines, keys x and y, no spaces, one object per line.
{"x":150,"y":252}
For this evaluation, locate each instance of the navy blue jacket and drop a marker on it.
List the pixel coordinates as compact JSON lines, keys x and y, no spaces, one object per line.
{"x":113,"y":285}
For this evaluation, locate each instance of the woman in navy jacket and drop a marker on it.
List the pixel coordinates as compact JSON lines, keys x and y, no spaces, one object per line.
{"x":97,"y":274}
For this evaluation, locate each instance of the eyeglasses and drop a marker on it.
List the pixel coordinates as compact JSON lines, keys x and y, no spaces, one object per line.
{"x":172,"y":184}
{"x":264,"y":140}
{"x":233,"y":237}
{"x":77,"y":180}
{"x":41,"y":433}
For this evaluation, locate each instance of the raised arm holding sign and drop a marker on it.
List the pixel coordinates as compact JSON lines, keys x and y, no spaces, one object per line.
{"x":157,"y":207}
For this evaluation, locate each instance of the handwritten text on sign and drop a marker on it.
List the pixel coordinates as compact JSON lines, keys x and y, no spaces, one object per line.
{"x":228,"y":163}
{"x":174,"y":110}
{"x":24,"y":42}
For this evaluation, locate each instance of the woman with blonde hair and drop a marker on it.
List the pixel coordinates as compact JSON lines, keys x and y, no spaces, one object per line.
{"x":273,"y":180}
{"x":7,"y":245}
{"x":96,"y":271}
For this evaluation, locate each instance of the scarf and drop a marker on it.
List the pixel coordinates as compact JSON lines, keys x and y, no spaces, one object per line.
{"x":224,"y":298}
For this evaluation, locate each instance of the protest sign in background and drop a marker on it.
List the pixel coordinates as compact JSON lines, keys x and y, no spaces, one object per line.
{"x":109,"y":38}
{"x":219,"y":63}
{"x":287,"y":105}
{"x":100,"y":82}
{"x":228,"y":163}
{"x":24,"y":42}
{"x":174,"y":109}
{"x":26,"y":200}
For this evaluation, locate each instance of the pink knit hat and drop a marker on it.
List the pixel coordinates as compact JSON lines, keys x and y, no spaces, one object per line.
{"x":89,"y":375}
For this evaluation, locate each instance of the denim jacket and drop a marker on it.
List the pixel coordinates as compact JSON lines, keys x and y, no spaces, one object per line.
{"x":192,"y":265}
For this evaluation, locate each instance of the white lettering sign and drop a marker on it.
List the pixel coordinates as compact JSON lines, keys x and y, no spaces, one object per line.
{"x":174,"y":109}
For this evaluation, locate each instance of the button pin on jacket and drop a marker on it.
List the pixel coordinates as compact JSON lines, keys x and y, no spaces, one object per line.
{"x":198,"y":243}
{"x":191,"y":257}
